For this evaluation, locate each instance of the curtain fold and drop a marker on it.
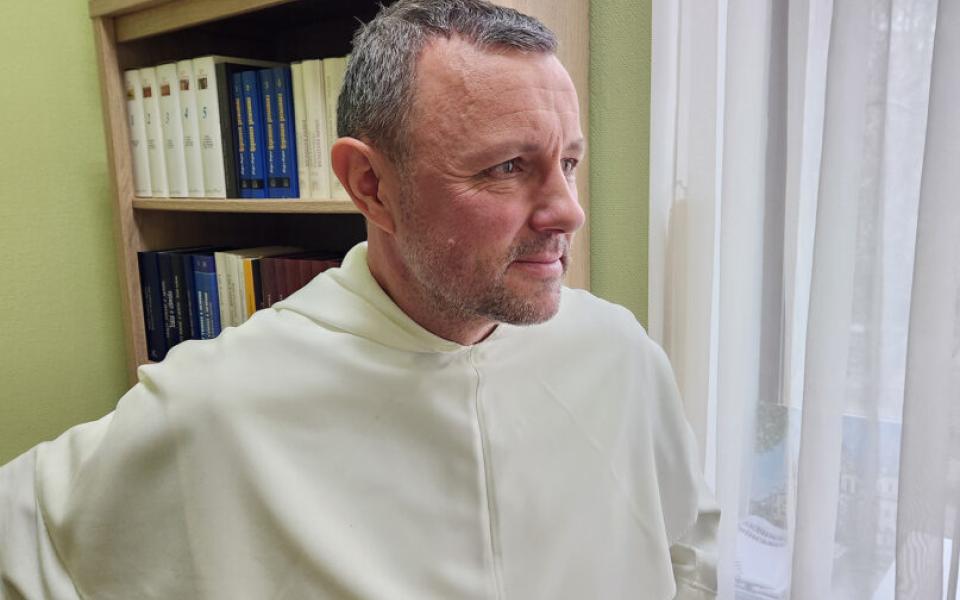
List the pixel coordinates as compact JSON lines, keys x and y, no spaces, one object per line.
{"x":831,"y":305}
{"x":929,"y":465}
{"x":689,"y":228}
{"x":742,"y":256}
{"x":788,"y":143}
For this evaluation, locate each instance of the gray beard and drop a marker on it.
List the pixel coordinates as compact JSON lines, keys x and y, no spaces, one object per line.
{"x":495,"y":301}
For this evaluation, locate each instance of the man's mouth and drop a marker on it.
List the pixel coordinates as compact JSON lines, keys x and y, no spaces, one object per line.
{"x":542,"y":265}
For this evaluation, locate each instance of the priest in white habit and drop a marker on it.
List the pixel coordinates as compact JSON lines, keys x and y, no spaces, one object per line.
{"x":439,"y":419}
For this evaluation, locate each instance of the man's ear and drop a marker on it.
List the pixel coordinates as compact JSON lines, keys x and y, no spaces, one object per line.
{"x":360,"y":169}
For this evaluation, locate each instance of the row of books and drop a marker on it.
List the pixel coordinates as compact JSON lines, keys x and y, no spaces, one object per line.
{"x":193,"y":293}
{"x":222,"y":127}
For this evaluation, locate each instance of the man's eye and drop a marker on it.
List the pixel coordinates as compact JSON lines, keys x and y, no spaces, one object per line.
{"x":569,"y":165}
{"x":504,"y":169}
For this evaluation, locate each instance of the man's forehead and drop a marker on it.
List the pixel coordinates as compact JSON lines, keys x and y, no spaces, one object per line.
{"x":455,"y":73}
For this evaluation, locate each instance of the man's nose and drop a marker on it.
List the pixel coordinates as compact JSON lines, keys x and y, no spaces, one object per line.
{"x":558,"y":208}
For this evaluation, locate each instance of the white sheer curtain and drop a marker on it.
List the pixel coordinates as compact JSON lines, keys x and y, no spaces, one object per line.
{"x":805,"y":280}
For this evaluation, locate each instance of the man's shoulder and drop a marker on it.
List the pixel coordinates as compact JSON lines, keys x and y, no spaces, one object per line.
{"x":198,"y":371}
{"x":584,"y":314}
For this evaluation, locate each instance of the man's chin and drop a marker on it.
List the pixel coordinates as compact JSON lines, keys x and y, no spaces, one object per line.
{"x":531,"y":310}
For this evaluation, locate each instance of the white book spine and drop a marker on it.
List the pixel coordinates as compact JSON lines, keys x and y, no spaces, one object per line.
{"x":191,"y":130}
{"x":315,"y":100}
{"x":334,"y":70}
{"x":300,"y":130}
{"x":208,"y":124}
{"x":172,"y":126}
{"x":154,"y":134}
{"x":138,"y":134}
{"x":224,"y":290}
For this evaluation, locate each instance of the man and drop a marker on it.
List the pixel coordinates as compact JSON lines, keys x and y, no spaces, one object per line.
{"x":439,"y":418}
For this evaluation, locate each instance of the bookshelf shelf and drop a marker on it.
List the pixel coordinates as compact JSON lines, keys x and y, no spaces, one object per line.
{"x":332,"y":206}
{"x":178,"y":14}
{"x":113,"y":8}
{"x":131,"y":34}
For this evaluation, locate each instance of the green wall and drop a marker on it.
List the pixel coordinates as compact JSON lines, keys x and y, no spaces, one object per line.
{"x":620,"y":150}
{"x":61,"y":350}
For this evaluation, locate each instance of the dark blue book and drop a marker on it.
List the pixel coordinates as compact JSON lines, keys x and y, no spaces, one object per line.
{"x":190,"y":297}
{"x":173,"y":326}
{"x":282,"y":176}
{"x":258,"y":295}
{"x":228,"y":105}
{"x":256,"y":153}
{"x":208,"y":298}
{"x":176,"y":282}
{"x":152,"y":305}
{"x":240,"y":120}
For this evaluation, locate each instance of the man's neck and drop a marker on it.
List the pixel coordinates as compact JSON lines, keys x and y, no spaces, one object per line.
{"x":426,"y":311}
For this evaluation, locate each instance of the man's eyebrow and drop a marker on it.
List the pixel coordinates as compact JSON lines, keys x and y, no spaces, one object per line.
{"x":514,"y":147}
{"x":577,"y":146}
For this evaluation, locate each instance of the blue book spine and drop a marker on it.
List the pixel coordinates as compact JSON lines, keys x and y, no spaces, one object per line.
{"x":208,"y":299}
{"x":255,"y":149}
{"x":268,"y":105}
{"x":284,"y":180}
{"x":152,"y":305}
{"x":243,"y":159}
{"x":190,"y":296}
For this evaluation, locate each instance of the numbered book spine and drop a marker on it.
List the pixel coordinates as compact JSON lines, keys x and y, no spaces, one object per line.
{"x":172,"y":126}
{"x":138,"y":134}
{"x":240,"y":133}
{"x":334,"y":70}
{"x":213,"y":108}
{"x":191,"y":128}
{"x":154,"y":134}
{"x":299,"y":118}
{"x":283,"y":181}
{"x":152,"y":305}
{"x":315,"y":100}
{"x":253,"y":112}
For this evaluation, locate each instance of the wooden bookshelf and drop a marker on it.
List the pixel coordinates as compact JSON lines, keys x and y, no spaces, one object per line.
{"x":137,"y":33}
{"x":247,"y":206}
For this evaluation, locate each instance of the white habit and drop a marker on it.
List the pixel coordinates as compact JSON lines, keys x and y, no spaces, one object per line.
{"x":330,"y":447}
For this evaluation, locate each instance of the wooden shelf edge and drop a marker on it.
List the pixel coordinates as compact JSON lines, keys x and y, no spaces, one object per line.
{"x":113,"y":8}
{"x":230,"y":205}
{"x":171,"y":15}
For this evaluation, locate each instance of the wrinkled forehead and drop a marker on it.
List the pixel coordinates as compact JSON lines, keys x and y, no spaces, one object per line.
{"x":462,"y":89}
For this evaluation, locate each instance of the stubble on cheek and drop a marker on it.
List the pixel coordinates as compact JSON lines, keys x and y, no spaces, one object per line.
{"x":470,"y":283}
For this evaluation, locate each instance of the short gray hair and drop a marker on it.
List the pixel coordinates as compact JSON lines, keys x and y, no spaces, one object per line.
{"x":377,"y":96}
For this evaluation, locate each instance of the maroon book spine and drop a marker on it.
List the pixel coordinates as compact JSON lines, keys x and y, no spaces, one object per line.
{"x":267,"y":285}
{"x":291,"y":276}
